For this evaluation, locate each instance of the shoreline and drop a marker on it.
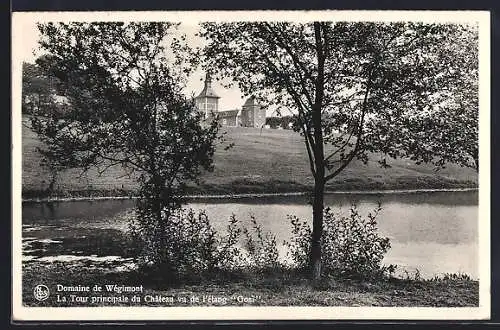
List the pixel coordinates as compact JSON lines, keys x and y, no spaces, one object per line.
{"x":256,"y":195}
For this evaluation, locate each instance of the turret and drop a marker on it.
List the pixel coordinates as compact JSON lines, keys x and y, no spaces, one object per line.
{"x":207,"y":101}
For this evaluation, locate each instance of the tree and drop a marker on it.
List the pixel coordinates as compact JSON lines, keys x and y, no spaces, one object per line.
{"x":123,"y":82}
{"x":37,"y":88}
{"x":39,"y":91}
{"x":280,"y":121}
{"x":447,"y":131}
{"x":351,"y":86}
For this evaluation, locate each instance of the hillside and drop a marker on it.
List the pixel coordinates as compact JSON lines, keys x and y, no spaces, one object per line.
{"x":267,"y":160}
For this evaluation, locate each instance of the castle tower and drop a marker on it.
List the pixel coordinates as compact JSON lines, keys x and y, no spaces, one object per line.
{"x":253,"y":114}
{"x":207,"y":101}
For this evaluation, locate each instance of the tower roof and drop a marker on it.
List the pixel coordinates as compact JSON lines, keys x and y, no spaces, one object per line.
{"x":250,"y":102}
{"x":207,"y":89}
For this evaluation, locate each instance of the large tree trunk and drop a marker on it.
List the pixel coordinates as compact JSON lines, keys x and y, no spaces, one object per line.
{"x":319,"y":158}
{"x":318,"y":204}
{"x":158,"y":202}
{"x":157,"y":206}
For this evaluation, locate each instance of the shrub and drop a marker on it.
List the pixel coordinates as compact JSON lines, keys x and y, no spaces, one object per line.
{"x":351,"y":245}
{"x":262,"y":248}
{"x":228,"y":255}
{"x":185,"y":244}
{"x":451,"y":277}
{"x":298,"y":247}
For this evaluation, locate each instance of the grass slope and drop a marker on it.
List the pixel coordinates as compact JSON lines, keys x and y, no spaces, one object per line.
{"x":261,"y":161}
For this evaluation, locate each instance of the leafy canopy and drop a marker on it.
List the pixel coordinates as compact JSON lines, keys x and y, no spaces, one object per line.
{"x":123,"y":83}
{"x":373,"y":82}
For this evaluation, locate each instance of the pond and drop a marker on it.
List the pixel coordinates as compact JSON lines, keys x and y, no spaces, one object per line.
{"x":434,"y":232}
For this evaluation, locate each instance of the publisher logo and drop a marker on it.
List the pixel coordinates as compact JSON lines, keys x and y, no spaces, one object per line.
{"x":41,"y":292}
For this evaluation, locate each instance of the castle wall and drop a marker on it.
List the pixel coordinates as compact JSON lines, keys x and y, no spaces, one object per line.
{"x":259,"y":117}
{"x":247,"y":115}
{"x":253,"y":116}
{"x":229,"y":121}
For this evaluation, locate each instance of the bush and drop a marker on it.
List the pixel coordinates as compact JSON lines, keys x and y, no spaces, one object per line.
{"x":350,"y":244}
{"x":451,"y":277}
{"x":186,"y":244}
{"x":262,"y":249}
{"x":298,"y":247}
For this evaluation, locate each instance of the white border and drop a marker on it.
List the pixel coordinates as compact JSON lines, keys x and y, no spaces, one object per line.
{"x":255,"y":313}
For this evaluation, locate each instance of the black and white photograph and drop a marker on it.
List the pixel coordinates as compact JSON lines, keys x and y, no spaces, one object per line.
{"x":251,"y":165}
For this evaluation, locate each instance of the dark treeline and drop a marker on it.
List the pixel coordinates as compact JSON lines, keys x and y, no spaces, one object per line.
{"x":283,"y":122}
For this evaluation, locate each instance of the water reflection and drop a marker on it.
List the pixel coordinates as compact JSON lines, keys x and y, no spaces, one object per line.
{"x":48,"y":211}
{"x":435,"y":232}
{"x":106,"y":208}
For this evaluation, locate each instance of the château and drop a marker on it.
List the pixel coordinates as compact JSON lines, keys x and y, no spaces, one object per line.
{"x":252,"y":114}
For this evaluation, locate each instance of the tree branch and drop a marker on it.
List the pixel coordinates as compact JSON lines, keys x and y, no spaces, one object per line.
{"x":353,"y":153}
{"x":310,"y":143}
{"x":299,"y":66}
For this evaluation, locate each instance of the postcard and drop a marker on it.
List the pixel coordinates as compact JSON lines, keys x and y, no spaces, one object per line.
{"x":251,"y":165}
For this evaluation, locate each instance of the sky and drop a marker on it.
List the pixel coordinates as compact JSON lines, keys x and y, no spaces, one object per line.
{"x":230,"y":98}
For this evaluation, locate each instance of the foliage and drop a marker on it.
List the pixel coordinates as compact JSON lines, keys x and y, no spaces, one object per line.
{"x":412,"y":276}
{"x":447,"y":131}
{"x":351,"y":244}
{"x":38,"y":96}
{"x":126,"y":106}
{"x":280,"y":121}
{"x":352,"y":87}
{"x":37,"y":89}
{"x":262,"y":249}
{"x":364,"y":75}
{"x":299,"y":246}
{"x":189,"y":245}
{"x":450,"y":277}
{"x":123,"y":83}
